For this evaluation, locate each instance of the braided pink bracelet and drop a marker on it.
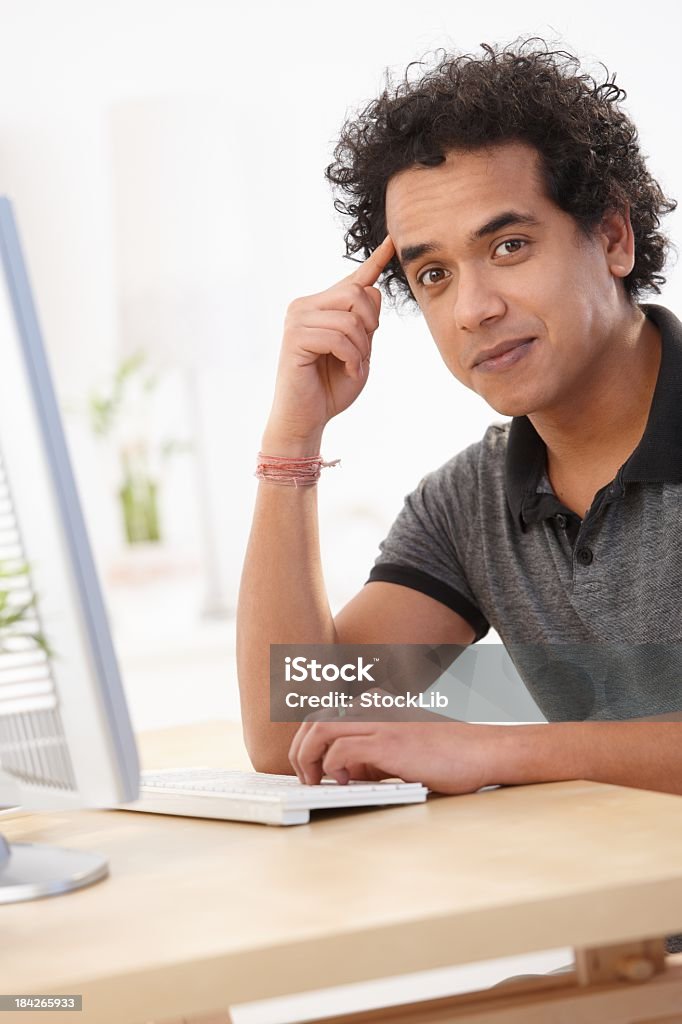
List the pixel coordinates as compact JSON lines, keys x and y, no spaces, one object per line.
{"x":279,"y":469}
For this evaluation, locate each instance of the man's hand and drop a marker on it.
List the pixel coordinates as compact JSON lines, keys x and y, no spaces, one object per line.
{"x":446,"y":756}
{"x":326,"y":348}
{"x":456,"y":757}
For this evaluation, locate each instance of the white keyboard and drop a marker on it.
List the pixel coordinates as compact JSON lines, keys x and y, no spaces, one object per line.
{"x":256,"y":796}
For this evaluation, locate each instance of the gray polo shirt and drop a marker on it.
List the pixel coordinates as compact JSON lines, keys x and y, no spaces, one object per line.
{"x":588,"y":609}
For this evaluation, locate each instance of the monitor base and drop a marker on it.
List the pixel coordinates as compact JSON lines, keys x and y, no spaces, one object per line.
{"x":29,"y":871}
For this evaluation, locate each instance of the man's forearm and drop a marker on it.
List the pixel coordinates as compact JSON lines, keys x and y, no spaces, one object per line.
{"x":323,"y":367}
{"x":645,"y":755}
{"x":282,"y":599}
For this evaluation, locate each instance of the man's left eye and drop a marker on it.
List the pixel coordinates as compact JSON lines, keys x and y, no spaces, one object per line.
{"x":518,"y":243}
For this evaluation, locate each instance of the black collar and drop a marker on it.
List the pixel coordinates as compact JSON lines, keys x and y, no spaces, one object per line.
{"x":657,"y":457}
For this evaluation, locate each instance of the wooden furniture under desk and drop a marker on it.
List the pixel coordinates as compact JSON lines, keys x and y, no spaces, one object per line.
{"x":199,"y":915}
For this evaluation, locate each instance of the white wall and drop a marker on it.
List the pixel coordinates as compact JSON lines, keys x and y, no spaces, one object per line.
{"x":290,"y":72}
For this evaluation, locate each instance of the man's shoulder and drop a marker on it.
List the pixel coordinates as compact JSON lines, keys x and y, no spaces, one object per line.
{"x":484,"y":458}
{"x":470,"y":481}
{"x":493,"y":444}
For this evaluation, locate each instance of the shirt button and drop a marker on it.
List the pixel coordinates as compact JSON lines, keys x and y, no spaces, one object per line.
{"x":561,"y":520}
{"x":584,"y":556}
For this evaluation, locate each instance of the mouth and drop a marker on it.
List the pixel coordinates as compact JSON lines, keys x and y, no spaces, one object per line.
{"x":503,"y":355}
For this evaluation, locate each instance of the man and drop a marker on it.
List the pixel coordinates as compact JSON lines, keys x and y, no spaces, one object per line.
{"x":506,"y":195}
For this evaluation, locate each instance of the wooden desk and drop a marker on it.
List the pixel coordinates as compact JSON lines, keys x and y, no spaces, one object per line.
{"x":198,"y":914}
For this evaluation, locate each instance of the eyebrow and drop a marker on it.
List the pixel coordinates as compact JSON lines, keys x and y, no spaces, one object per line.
{"x":506,"y":219}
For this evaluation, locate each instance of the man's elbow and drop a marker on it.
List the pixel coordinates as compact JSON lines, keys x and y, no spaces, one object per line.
{"x":265,"y":757}
{"x":268,"y":764}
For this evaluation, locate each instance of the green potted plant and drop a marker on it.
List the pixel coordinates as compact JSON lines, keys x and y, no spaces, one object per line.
{"x":138,"y":491}
{"x":13,"y":614}
{"x":119,"y":411}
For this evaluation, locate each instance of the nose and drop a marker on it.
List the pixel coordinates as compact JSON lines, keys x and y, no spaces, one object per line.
{"x":476,"y":301}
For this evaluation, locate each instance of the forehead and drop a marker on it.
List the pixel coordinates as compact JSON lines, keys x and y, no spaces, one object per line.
{"x":464,"y":190}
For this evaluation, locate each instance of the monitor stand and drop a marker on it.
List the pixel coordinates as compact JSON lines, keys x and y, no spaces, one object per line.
{"x":29,"y":871}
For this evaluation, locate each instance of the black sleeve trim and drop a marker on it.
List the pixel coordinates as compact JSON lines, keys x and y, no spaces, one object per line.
{"x":416,"y":579}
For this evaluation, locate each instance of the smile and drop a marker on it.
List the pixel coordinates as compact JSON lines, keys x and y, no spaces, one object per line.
{"x":509,"y":358}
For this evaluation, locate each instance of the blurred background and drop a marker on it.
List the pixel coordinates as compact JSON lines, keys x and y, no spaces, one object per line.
{"x":165,"y":161}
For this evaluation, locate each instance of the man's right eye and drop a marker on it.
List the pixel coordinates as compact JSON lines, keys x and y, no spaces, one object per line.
{"x":425,"y":281}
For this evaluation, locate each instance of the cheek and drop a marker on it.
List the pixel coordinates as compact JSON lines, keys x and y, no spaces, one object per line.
{"x":578,"y":271}
{"x":452,"y":356}
{"x":438,"y":318}
{"x":453,"y":349}
{"x":440,"y":335}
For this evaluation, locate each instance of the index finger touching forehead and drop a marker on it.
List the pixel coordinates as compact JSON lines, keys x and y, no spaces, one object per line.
{"x":369,"y":271}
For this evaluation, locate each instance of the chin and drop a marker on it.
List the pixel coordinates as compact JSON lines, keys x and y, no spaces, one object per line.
{"x":510,"y":406}
{"x":516,"y":400}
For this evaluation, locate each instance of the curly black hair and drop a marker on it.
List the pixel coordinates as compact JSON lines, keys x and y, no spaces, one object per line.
{"x":589,"y":148}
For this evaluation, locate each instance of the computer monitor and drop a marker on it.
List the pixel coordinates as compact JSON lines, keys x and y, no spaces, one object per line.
{"x":66,"y":739}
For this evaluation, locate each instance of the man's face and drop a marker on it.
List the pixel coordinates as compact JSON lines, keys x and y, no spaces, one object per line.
{"x":481,"y":285}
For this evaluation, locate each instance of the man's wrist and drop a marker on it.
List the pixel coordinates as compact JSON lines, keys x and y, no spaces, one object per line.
{"x":280,"y":443}
{"x":554,"y":752}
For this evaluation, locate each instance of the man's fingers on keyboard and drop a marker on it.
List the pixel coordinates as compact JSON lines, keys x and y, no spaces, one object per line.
{"x":314,"y":742}
{"x":348,"y":757}
{"x":301,"y":732}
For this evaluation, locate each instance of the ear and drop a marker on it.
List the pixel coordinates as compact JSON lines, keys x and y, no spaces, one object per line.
{"x":618,"y":241}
